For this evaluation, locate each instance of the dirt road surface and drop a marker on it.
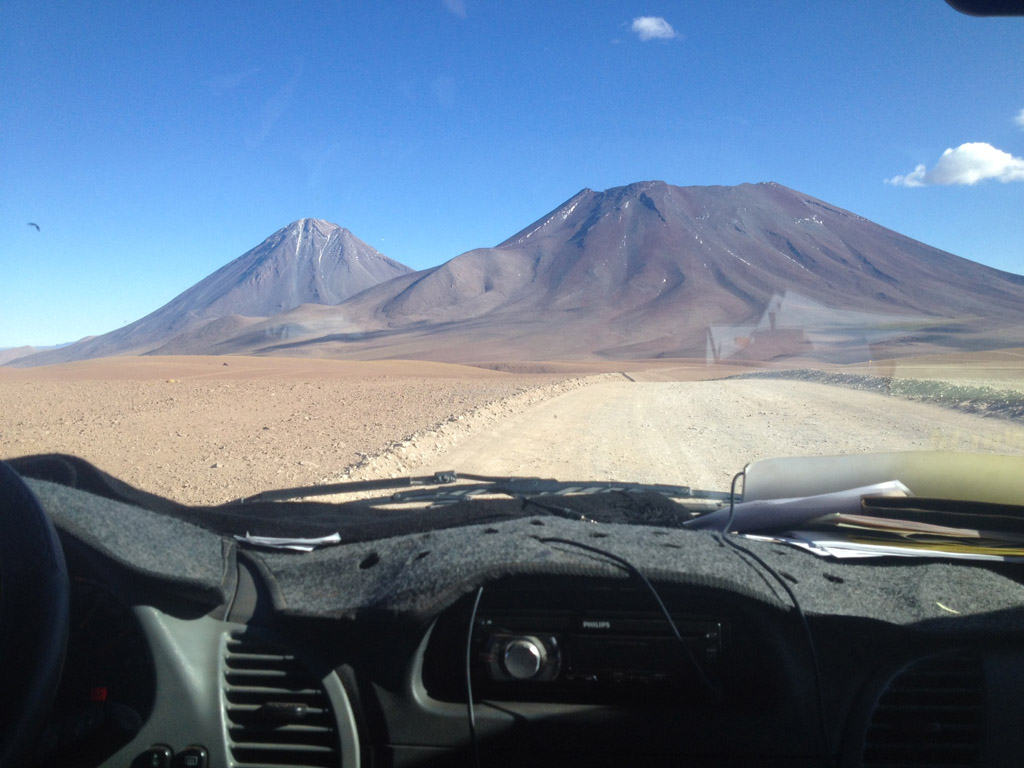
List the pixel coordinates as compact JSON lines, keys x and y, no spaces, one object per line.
{"x":693,"y":433}
{"x":204,"y":430}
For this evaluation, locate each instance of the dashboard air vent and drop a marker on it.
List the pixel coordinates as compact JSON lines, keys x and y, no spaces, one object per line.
{"x":931,"y":713}
{"x":277,"y":712}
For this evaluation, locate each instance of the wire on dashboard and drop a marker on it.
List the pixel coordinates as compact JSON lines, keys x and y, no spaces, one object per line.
{"x":730,"y":541}
{"x":470,"y":712}
{"x":714,"y":692}
{"x":732,"y":499}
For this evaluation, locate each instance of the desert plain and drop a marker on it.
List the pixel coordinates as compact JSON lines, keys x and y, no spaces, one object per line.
{"x":205,"y":430}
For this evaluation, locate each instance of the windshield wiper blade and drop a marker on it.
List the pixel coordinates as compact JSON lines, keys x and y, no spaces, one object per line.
{"x":537,"y":486}
{"x":441,"y":487}
{"x":359,"y":486}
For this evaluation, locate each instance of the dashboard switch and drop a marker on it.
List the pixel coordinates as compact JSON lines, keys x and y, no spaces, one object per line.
{"x":157,"y":756}
{"x":192,"y":756}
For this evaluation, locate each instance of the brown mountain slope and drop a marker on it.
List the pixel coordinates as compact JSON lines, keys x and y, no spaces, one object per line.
{"x":652,"y":269}
{"x":13,"y":353}
{"x":753,"y":272}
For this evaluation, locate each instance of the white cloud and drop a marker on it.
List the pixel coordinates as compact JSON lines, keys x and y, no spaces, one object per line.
{"x":1019,"y":119}
{"x":967,"y":164}
{"x":653,"y":28}
{"x":912,"y":179}
{"x":456,"y":7}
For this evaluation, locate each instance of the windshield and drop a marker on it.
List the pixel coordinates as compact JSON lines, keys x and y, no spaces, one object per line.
{"x":310,"y":243}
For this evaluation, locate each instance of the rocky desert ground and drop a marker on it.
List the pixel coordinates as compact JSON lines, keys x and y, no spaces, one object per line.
{"x":205,"y":430}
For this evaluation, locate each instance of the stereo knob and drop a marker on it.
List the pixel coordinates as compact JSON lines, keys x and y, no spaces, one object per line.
{"x":523,"y":657}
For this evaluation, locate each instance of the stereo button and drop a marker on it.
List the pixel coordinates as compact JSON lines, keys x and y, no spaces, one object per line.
{"x":523,"y":658}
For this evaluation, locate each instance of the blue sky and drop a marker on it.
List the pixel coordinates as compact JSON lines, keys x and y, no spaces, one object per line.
{"x":153,"y":142}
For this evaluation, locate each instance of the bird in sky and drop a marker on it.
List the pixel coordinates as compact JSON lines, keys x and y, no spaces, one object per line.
{"x":33,"y":224}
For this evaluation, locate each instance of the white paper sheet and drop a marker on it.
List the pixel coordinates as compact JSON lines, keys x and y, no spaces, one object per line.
{"x":846,"y":550}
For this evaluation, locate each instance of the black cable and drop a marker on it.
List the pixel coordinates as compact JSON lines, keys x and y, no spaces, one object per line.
{"x":732,"y":499}
{"x":815,"y":666}
{"x":471,"y":714}
{"x":635,"y":572}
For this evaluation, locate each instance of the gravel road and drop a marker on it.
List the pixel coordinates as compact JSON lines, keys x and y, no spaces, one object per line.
{"x":205,"y":430}
{"x":692,"y":433}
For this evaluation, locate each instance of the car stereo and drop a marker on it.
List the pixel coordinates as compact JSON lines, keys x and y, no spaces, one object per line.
{"x":556,"y":655}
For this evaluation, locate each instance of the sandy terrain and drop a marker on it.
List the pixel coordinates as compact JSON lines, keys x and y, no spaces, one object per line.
{"x":205,"y":430}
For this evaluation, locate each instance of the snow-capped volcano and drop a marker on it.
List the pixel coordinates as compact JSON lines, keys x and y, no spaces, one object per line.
{"x":310,"y":261}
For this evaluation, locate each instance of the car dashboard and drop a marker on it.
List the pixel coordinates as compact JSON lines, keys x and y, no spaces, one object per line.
{"x":582,"y":644}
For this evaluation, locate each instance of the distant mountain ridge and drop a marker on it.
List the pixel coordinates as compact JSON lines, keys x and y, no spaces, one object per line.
{"x":639,"y":271}
{"x":13,"y":353}
{"x":310,"y":261}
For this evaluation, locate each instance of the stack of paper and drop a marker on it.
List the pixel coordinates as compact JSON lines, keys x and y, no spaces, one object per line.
{"x":882,"y":519}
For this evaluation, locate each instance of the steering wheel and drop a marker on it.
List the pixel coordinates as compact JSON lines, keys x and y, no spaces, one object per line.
{"x":34,"y":596}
